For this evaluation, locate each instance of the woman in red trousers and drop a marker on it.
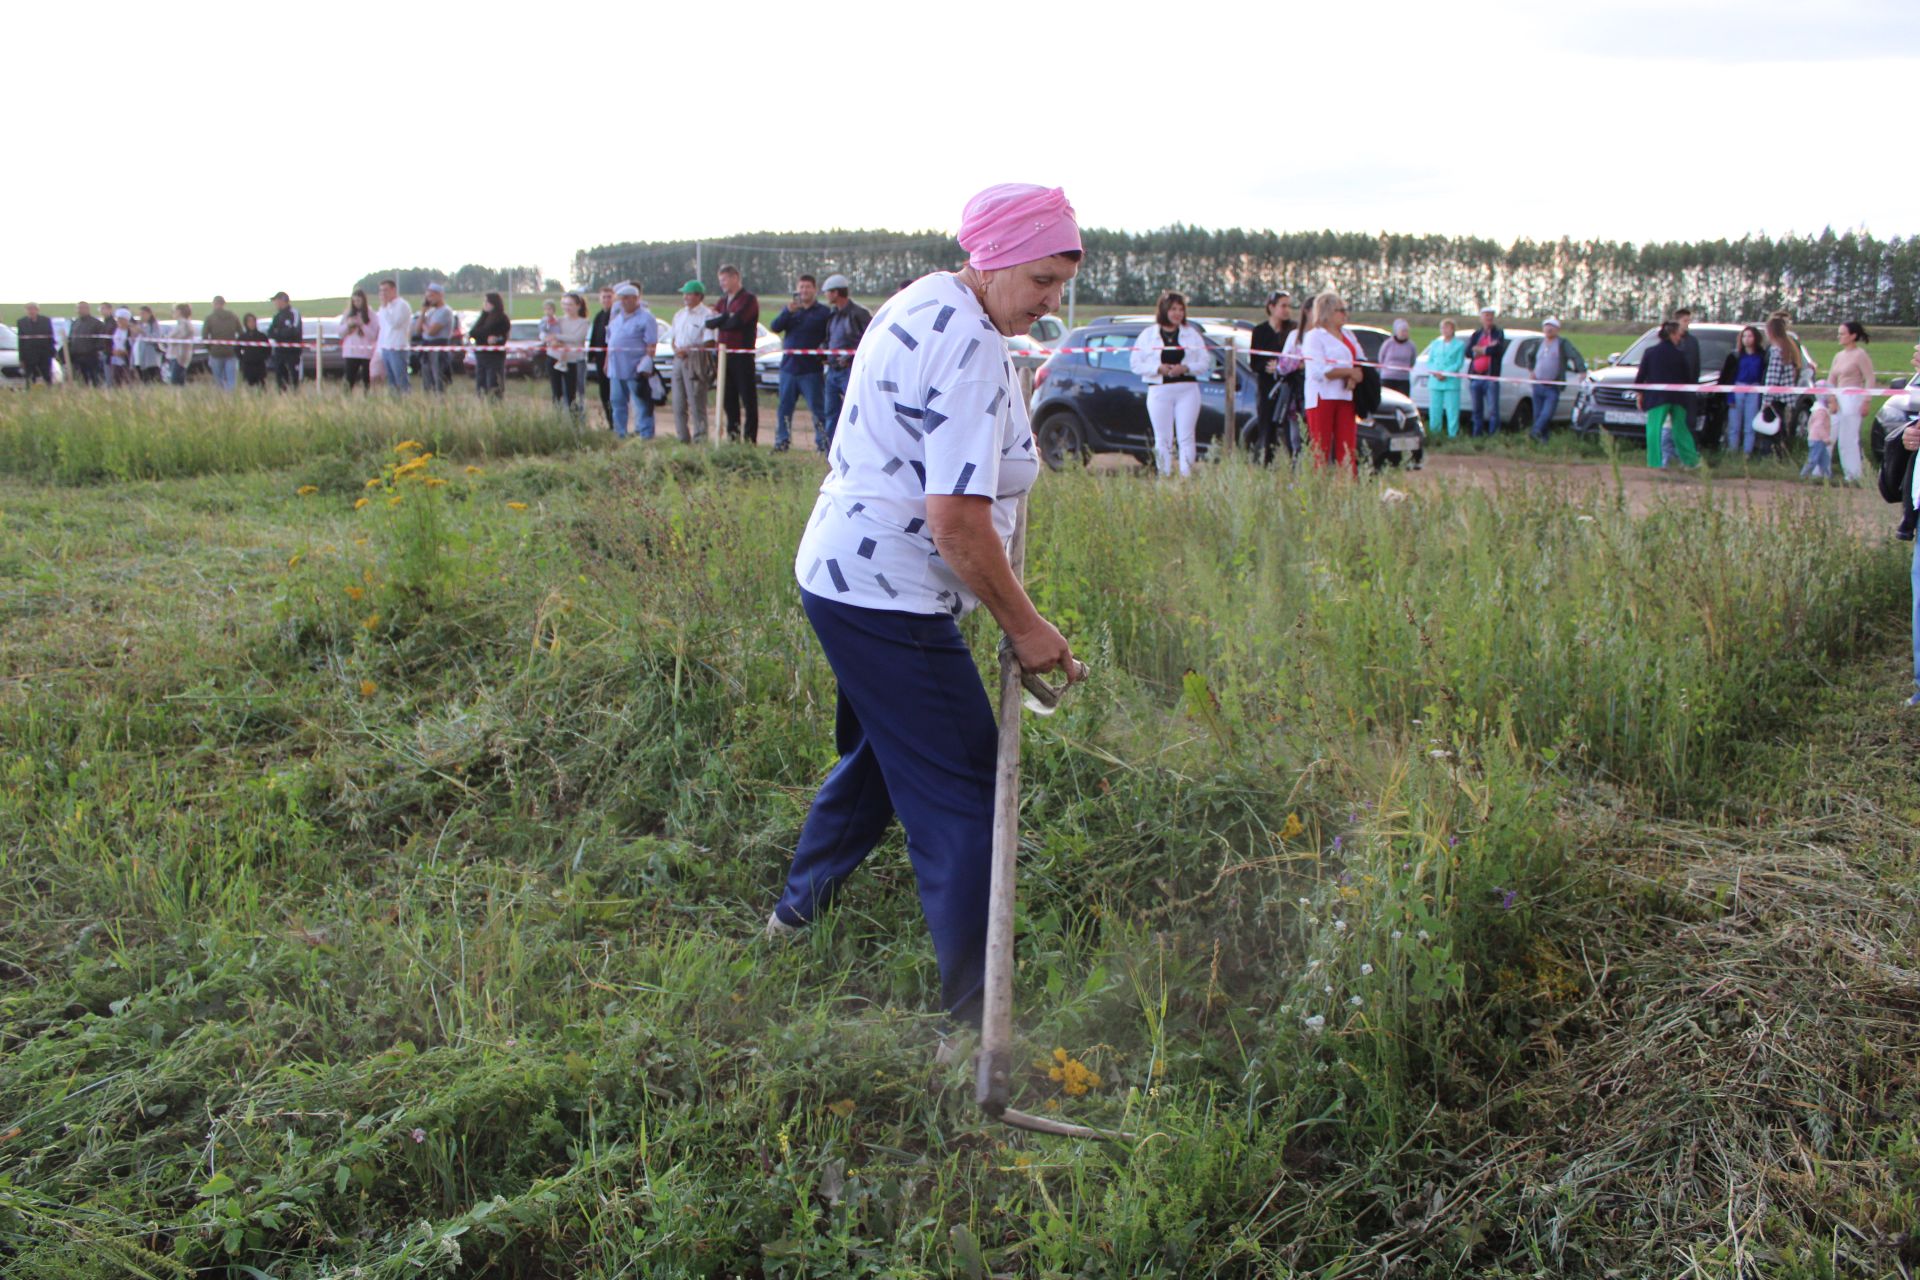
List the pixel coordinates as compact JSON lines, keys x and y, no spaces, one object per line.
{"x":1331,"y":356}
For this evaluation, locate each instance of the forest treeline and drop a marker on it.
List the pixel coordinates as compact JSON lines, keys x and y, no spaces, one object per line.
{"x":1829,"y":277}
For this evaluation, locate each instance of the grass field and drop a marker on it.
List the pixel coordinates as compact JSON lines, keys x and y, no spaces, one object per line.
{"x":1487,"y":883}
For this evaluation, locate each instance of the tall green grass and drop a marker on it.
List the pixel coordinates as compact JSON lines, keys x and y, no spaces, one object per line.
{"x":383,"y":886}
{"x":160,"y":433}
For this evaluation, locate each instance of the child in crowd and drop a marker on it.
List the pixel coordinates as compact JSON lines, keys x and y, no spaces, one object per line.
{"x":1820,"y":436}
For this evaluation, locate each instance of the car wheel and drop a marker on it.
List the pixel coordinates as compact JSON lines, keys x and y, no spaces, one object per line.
{"x":1522,"y":418}
{"x":1063,"y":440}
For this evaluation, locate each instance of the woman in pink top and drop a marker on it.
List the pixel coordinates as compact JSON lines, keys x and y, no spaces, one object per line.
{"x":1852,"y":379}
{"x":359,"y":339}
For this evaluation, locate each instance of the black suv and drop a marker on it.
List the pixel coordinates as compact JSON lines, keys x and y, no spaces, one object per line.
{"x":1088,"y":400}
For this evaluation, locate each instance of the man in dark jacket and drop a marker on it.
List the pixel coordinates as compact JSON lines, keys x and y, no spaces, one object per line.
{"x":87,"y":348}
{"x":802,"y":326}
{"x":597,"y":352}
{"x":285,"y":327}
{"x":1486,"y":352}
{"x":36,"y":345}
{"x":738,"y":324}
{"x":846,"y":324}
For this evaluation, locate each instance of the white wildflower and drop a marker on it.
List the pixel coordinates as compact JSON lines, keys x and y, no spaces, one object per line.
{"x":1366,"y":970}
{"x":1355,"y":1001}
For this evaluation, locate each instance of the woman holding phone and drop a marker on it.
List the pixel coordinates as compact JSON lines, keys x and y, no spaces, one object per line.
{"x":359,"y":338}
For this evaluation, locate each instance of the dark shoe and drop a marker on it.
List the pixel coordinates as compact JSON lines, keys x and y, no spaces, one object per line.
{"x":1903,"y":533}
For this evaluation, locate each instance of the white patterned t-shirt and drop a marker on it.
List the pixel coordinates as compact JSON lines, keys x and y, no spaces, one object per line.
{"x":932,"y":407}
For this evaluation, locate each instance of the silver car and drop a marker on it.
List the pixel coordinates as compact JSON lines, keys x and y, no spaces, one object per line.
{"x":1514,"y":398}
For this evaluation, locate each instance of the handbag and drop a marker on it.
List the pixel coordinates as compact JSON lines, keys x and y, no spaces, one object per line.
{"x":656,"y":389}
{"x":1768,"y":423}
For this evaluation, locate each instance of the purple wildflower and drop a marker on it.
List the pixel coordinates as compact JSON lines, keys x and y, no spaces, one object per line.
{"x":1336,"y":844}
{"x":419,"y":1136}
{"x":1506,"y":900}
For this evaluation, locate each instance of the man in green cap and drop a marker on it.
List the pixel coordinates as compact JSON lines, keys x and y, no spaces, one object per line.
{"x":693,"y":361}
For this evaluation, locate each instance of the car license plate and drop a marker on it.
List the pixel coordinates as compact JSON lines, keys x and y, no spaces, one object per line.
{"x":1404,"y":444}
{"x":1629,"y":417}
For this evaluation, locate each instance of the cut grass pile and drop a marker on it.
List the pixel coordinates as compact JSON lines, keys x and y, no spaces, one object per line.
{"x":383,"y":840}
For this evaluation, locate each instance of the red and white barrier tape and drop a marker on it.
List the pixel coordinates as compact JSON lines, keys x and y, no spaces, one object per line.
{"x":1702,"y":388}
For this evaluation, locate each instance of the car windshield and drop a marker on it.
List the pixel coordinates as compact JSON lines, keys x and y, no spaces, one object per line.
{"x":522,"y":330}
{"x":9,"y":341}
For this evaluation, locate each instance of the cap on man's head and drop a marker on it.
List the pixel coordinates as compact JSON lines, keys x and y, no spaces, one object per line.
{"x":694,"y":286}
{"x":837,"y":281}
{"x":121,"y":313}
{"x":1550,"y":323}
{"x":1486,"y":311}
{"x":436,"y":288}
{"x":626,"y":291}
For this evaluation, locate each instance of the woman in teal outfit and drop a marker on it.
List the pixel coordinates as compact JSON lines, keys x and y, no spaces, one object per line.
{"x":1446,"y":355}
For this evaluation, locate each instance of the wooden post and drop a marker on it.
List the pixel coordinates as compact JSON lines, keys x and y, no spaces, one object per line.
{"x":716,"y":425}
{"x":320,"y":353}
{"x":1233,"y":395}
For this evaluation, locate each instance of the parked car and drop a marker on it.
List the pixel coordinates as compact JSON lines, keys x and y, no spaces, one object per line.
{"x":1606,"y":402}
{"x":1088,"y":400}
{"x":526,"y":354}
{"x":1048,"y":331}
{"x":1515,"y":399}
{"x":12,"y":376}
{"x":765,"y":341}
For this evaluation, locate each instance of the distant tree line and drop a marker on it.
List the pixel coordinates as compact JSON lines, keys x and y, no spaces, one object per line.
{"x":472,"y":278}
{"x":1829,"y":277}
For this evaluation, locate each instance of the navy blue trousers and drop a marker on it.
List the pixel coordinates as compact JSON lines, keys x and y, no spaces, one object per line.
{"x":916,"y":738}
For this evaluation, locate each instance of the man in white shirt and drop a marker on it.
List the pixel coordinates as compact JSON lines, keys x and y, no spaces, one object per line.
{"x":693,"y":360}
{"x":396,"y":326}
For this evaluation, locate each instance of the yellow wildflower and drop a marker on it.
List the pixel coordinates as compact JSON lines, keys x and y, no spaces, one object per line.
{"x":842,"y":1108}
{"x":394,"y":501}
{"x":1073,"y":1076}
{"x":434,"y":482}
{"x":474,"y":471}
{"x":360,"y":502}
{"x":307,"y":490}
{"x":293,"y":561}
{"x":407,"y":446}
{"x":368,"y":688}
{"x":516,"y":506}
{"x":354,"y":593}
{"x":372,"y":621}
{"x":1293,"y":827}
{"x":376,"y":482}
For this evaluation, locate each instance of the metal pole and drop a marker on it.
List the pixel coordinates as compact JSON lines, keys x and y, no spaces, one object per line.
{"x":320,"y":352}
{"x":698,"y":274}
{"x":1072,"y":285}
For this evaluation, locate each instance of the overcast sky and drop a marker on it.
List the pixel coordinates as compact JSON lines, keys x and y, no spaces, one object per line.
{"x":298,"y":146}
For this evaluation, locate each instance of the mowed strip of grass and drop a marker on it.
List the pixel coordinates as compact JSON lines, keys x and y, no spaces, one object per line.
{"x":1425,"y":881}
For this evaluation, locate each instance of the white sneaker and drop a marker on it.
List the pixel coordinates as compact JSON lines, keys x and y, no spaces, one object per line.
{"x":777,"y":928}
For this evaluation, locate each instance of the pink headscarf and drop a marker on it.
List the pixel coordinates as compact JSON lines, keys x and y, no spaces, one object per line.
{"x":1017,"y":222}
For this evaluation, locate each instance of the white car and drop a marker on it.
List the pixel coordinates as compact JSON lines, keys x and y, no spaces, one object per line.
{"x":12,"y":376}
{"x":766,"y":343}
{"x":1515,"y":399}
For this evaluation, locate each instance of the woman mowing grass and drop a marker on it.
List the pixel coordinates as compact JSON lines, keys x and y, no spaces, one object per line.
{"x":931,"y":457}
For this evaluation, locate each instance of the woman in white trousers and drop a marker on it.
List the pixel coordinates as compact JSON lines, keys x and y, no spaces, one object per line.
{"x":1172,"y":358}
{"x":1852,"y":376}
